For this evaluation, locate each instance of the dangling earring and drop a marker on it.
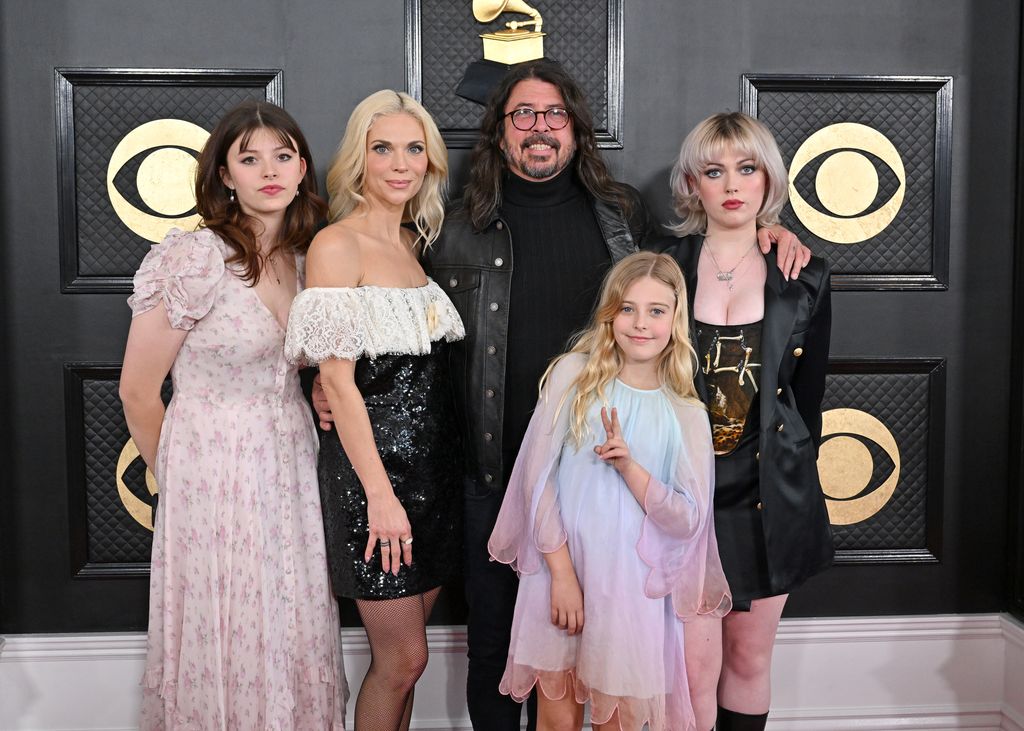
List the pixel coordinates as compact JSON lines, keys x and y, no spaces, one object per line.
{"x":297,"y":191}
{"x":231,"y":194}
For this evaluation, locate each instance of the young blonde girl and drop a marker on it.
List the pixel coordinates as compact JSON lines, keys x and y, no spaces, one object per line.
{"x":607,"y":517}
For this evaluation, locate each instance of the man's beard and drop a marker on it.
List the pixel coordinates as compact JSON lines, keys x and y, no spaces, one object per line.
{"x":537,"y":170}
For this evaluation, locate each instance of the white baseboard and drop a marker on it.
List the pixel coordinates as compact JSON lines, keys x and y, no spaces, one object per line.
{"x":1013,"y":677}
{"x":859,"y":674}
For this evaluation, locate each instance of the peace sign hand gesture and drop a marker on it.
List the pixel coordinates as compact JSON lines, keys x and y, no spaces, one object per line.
{"x":614,"y":451}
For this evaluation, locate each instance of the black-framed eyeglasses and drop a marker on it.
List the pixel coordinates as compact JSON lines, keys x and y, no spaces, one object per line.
{"x":525,"y":119}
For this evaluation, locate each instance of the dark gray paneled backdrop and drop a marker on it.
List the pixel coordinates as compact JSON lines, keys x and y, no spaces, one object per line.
{"x":683,"y":60}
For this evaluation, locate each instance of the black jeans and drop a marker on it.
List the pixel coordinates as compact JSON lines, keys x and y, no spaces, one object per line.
{"x":491,"y":594}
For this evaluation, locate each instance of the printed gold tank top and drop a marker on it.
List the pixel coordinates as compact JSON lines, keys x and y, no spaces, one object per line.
{"x":730,"y":358}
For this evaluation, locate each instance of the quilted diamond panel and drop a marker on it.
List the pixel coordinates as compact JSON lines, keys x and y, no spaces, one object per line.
{"x":577,"y":36}
{"x":113,"y":537}
{"x":902,"y":402}
{"x":96,"y":110}
{"x":914,"y":115}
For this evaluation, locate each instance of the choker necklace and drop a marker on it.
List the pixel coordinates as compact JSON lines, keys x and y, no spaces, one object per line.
{"x":724,"y":276}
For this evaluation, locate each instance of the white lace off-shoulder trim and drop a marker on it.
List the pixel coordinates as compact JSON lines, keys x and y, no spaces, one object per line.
{"x":352,"y":322}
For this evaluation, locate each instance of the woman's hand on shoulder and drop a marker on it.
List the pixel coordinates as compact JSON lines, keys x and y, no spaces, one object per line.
{"x":792,"y":256}
{"x":334,"y":258}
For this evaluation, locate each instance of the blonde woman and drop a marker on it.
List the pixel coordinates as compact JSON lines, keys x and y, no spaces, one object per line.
{"x":762,"y":345}
{"x":390,"y":472}
{"x":608,"y":516}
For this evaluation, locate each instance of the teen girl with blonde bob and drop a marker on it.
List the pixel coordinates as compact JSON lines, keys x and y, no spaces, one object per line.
{"x":762,"y":344}
{"x":607,"y":517}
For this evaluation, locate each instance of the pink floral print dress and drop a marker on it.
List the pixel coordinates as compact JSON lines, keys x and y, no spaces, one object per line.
{"x":243,"y":629}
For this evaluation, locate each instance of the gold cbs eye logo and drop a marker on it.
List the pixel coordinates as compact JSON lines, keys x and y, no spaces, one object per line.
{"x":847,"y":182}
{"x":140,"y":510}
{"x":846,"y":466}
{"x":165,"y":181}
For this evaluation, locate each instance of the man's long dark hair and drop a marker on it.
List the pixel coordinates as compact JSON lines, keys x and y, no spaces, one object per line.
{"x":225,"y":217}
{"x":482,"y":196}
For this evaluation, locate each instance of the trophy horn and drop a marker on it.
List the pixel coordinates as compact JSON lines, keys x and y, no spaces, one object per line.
{"x":487,"y":10}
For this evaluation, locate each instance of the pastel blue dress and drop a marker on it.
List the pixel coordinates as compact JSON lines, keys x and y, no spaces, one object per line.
{"x":642,"y":569}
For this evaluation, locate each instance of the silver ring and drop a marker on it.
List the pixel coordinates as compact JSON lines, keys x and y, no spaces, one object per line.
{"x":385,"y":542}
{"x":407,"y":542}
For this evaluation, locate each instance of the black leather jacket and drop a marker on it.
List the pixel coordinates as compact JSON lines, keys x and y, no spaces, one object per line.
{"x":475,"y":269}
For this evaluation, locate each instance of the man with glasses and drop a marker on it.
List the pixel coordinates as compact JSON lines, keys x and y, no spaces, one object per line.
{"x":522,"y":258}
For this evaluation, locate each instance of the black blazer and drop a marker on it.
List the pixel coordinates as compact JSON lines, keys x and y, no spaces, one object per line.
{"x":794,"y":358}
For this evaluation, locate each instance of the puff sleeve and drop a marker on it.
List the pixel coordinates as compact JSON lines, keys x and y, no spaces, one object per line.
{"x":182,"y":273}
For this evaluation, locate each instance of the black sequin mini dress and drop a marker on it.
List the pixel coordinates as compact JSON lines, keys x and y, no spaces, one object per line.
{"x":398,"y":338}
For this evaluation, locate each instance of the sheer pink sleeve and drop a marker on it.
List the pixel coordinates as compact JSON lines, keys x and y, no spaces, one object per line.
{"x":677,"y":540}
{"x":181,"y":272}
{"x":529,"y":523}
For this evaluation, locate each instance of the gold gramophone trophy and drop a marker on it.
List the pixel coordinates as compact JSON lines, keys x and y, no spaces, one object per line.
{"x":514,"y":44}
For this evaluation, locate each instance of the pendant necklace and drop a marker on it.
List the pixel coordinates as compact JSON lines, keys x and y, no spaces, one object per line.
{"x":268,"y":263}
{"x":727,"y":276}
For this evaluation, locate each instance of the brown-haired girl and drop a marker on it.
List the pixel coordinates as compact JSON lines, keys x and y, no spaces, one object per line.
{"x":243,"y":630}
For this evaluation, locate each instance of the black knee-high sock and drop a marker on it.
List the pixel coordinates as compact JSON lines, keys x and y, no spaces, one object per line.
{"x":735,"y":721}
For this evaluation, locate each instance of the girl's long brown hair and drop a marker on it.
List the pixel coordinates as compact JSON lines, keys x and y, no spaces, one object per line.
{"x":225,"y":217}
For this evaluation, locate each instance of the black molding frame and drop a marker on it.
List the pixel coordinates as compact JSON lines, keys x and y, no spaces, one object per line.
{"x":608,"y":138}
{"x":1015,"y":492}
{"x":74,"y":418}
{"x":64,"y":82}
{"x":935,"y":368}
{"x":752,"y":84}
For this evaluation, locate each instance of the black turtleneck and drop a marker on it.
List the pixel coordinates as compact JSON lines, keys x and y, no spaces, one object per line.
{"x":559,"y":258}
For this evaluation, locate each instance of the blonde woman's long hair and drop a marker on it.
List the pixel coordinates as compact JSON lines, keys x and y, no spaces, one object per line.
{"x":676,"y":364}
{"x":705,"y":143}
{"x":347,"y":174}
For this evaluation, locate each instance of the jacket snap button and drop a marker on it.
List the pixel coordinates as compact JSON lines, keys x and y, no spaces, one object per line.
{"x":798,"y":352}
{"x":500,"y":225}
{"x":780,"y":427}
{"x":489,"y":393}
{"x":759,"y":506}
{"x":757,"y":456}
{"x":488,"y":477}
{"x":491,"y":350}
{"x":778,"y":392}
{"x":494,"y":306}
{"x":453,"y":282}
{"x":488,"y":436}
{"x":499,"y":261}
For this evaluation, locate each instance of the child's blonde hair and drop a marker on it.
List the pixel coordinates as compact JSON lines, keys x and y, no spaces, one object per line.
{"x":676,"y":363}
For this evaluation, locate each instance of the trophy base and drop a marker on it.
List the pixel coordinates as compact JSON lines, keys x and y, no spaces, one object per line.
{"x":513,"y":46}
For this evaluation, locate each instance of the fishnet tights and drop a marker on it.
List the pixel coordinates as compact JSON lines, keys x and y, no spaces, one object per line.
{"x":396,"y":629}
